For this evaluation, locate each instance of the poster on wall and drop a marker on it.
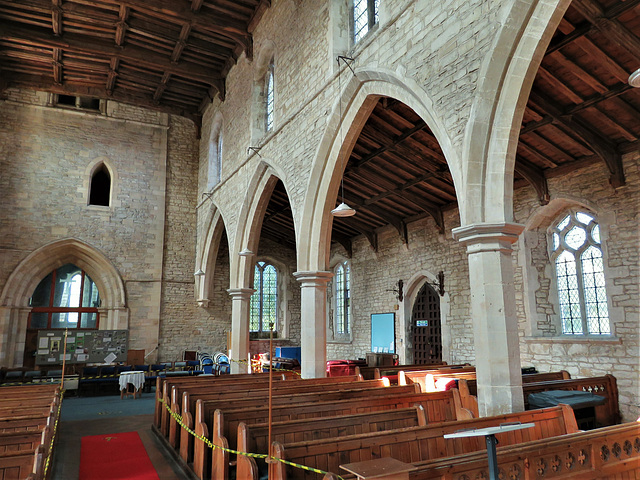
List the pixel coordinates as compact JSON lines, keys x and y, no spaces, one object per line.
{"x":383,"y":333}
{"x":88,"y":346}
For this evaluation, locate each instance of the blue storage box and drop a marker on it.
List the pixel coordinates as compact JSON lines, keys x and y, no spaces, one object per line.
{"x":289,"y":352}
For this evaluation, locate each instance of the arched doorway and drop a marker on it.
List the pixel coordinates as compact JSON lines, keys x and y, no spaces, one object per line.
{"x":426,"y":327}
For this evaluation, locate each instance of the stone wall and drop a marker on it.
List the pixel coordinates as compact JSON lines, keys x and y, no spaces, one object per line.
{"x":542,"y":344}
{"x":45,"y":158}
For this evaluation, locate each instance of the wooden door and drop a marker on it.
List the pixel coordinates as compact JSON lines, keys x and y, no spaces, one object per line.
{"x":426,"y":328}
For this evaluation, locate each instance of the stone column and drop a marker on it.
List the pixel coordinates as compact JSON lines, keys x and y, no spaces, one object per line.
{"x":495,"y":326}
{"x":313,"y":329}
{"x":240,"y":303}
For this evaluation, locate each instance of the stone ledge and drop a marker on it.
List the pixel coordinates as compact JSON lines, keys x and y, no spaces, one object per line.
{"x":600,"y":340}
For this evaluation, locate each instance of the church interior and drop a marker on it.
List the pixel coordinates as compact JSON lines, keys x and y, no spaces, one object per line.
{"x":334,"y":187}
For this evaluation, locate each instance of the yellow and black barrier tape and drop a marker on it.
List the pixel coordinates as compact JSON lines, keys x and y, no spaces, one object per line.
{"x":244,"y":362}
{"x":207,"y":442}
{"x":53,"y":436}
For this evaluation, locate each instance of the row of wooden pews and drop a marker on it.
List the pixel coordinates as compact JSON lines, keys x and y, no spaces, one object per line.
{"x":328,"y":422}
{"x":232,"y":412}
{"x":28,"y":417}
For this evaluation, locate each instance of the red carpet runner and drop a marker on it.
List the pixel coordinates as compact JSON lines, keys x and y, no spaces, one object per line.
{"x":117,"y":456}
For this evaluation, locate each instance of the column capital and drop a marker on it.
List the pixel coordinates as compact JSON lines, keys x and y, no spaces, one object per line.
{"x":486,"y":237}
{"x":240,"y":293}
{"x":309,"y":279}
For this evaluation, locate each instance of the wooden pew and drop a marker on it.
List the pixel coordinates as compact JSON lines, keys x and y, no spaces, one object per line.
{"x":23,"y":465}
{"x":370,"y":373}
{"x":415,"y":444}
{"x":606,"y":386}
{"x":609,"y":452}
{"x":255,"y":438}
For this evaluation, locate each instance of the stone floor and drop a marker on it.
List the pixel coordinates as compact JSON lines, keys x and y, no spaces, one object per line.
{"x":81,"y":416}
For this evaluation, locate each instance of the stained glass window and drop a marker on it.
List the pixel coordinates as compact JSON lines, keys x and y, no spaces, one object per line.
{"x":343,"y":298}
{"x":579,"y":269}
{"x":365,"y":16}
{"x":264,"y":301}
{"x":66,"y":298}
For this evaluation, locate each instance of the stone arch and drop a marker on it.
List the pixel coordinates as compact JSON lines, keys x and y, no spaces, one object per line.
{"x":492,"y":134}
{"x":88,"y":175}
{"x":259,"y":190}
{"x":356,"y":101}
{"x":14,"y":300}
{"x":207,"y":253}
{"x":412,"y":287}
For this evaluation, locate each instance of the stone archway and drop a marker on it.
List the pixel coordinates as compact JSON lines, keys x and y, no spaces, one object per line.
{"x":14,"y":300}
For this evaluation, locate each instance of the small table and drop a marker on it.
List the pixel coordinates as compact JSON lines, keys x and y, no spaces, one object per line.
{"x":136,"y":379}
{"x":490,"y":436}
{"x":386,"y":468}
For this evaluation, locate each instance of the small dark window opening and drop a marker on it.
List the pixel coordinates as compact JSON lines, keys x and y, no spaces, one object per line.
{"x":67,"y":100}
{"x":89,"y":103}
{"x":100,"y":187}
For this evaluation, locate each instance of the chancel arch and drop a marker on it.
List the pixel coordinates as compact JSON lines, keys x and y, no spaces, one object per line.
{"x":14,"y":301}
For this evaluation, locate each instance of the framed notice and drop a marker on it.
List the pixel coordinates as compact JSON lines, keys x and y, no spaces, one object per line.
{"x":383,"y":333}
{"x":86,"y":346}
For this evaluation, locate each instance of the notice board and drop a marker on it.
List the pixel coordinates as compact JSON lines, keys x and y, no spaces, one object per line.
{"x":83,"y":346}
{"x":383,"y":333}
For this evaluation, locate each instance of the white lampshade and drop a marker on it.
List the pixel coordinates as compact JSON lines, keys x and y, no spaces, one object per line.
{"x":343,"y":210}
{"x":198,"y":273}
{"x":634,"y":79}
{"x":245,"y":252}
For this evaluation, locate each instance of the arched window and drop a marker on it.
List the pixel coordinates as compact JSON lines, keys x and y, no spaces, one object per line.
{"x":100,"y":189}
{"x":579,"y":269}
{"x":269,"y":98}
{"x":365,"y":16}
{"x":264,"y":301}
{"x":215,"y":157}
{"x":343,"y":298}
{"x":66,"y":298}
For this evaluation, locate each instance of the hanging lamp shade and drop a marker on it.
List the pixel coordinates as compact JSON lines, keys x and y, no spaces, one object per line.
{"x":245,"y":252}
{"x":198,"y":273}
{"x":634,"y":79}
{"x":343,"y":210}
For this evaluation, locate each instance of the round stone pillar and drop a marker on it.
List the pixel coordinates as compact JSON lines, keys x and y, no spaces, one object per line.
{"x":313,"y":328}
{"x":239,"y":351}
{"x":495,"y":326}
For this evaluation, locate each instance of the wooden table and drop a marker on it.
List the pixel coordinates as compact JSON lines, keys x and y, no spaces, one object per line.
{"x":135,"y":379}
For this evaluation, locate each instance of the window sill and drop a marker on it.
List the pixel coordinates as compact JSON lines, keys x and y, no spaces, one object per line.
{"x":339,"y":342}
{"x":577,"y":339}
{"x":99,"y":208}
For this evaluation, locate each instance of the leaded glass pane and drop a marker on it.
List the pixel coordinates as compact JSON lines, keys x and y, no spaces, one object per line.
{"x":568,"y":294}
{"x":90,"y":295}
{"x":64,"y":320}
{"x":270,"y":100}
{"x":39,"y":320}
{"x":67,"y":287}
{"x":254,"y":307}
{"x":88,"y":320}
{"x":564,"y":222}
{"x":360,"y":19}
{"x":269,"y":298}
{"x":347,"y":301}
{"x":42,"y":295}
{"x":556,"y":241}
{"x":340,"y":283}
{"x":575,"y":238}
{"x":594,"y":292}
{"x":595,"y":234}
{"x":584,"y":218}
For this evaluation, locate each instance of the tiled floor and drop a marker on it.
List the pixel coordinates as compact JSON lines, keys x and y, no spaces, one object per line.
{"x":102,"y":415}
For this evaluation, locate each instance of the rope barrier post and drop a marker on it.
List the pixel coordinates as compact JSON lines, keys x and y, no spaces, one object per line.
{"x":269,"y":460}
{"x":64,"y":357}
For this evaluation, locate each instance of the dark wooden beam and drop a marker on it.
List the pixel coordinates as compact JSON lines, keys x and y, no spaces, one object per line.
{"x":395,"y":221}
{"x":535,"y":176}
{"x":121,"y":26}
{"x":593,"y":12}
{"x":56,"y":16}
{"x":196,"y":5}
{"x":46,"y":85}
{"x":433,"y":210}
{"x":94,"y":47}
{"x":181,"y":43}
{"x":161,"y":88}
{"x":589,"y":136}
{"x":112,"y":76}
{"x":57,"y":66}
{"x":344,"y":241}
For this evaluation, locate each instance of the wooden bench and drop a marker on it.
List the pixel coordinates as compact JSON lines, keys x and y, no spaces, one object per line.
{"x":369,"y":373}
{"x":415,"y":444}
{"x":606,"y":386}
{"x":27,"y":465}
{"x":609,"y":452}
{"x":255,"y":438}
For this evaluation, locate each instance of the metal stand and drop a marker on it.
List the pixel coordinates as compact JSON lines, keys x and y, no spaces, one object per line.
{"x":492,"y":441}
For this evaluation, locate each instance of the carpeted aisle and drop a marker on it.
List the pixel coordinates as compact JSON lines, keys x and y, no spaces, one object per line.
{"x":117,"y":456}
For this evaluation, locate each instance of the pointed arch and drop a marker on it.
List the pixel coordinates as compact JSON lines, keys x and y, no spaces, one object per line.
{"x":259,"y":190}
{"x":14,"y":300}
{"x":412,"y":287}
{"x":492,"y":134}
{"x":356,"y":101}
{"x":206,"y":255}
{"x":90,"y":171}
